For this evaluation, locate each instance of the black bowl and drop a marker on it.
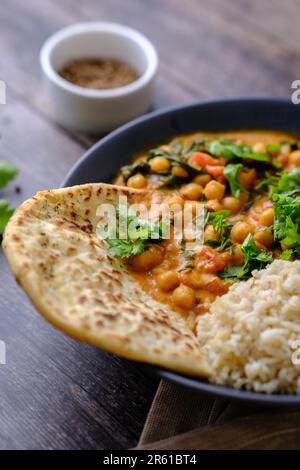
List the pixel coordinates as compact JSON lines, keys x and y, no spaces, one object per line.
{"x":103,"y":160}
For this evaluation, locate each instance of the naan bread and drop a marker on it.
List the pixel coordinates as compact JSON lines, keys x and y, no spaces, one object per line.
{"x":56,"y":257}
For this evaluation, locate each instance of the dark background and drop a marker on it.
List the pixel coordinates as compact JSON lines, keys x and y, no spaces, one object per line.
{"x":54,"y":392}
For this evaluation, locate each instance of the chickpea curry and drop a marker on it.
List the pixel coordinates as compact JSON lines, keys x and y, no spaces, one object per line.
{"x":249,"y":184}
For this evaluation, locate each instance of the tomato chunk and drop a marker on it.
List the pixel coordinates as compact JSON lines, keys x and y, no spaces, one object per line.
{"x":211,"y":260}
{"x":217,"y":287}
{"x":202,"y":159}
{"x":215,"y":170}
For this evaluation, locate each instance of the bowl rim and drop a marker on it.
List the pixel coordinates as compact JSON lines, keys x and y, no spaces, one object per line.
{"x":197,"y":383}
{"x":101,"y":27}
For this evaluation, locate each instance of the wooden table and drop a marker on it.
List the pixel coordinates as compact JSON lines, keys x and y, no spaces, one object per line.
{"x":54,"y":392}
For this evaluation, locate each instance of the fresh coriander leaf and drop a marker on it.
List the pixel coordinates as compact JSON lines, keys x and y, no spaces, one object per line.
{"x":254,"y":258}
{"x":231,"y":174}
{"x":218,"y":220}
{"x":124,"y":248}
{"x":221,"y":226}
{"x":287,"y":221}
{"x":5,"y":213}
{"x":288,"y":182}
{"x":230,"y":272}
{"x":7,"y":173}
{"x":286,"y":255}
{"x":139,"y":234}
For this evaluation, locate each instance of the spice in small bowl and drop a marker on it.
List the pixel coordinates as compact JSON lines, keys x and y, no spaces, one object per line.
{"x":98,"y":73}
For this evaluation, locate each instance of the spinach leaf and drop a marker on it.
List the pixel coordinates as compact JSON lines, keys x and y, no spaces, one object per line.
{"x":230,"y":272}
{"x":129,"y":170}
{"x":195,"y":146}
{"x":273,"y":148}
{"x":231,"y":174}
{"x":227,"y":149}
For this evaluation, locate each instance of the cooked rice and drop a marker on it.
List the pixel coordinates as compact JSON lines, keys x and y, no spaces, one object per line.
{"x":249,"y":332}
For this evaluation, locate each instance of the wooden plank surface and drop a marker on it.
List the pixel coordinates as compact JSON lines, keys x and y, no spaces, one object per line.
{"x":56,"y":393}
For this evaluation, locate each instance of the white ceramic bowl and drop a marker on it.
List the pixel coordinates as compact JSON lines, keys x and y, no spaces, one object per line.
{"x":90,"y":110}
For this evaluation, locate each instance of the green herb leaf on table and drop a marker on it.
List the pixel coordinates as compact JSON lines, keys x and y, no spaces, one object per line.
{"x":5,"y":213}
{"x":7,"y":173}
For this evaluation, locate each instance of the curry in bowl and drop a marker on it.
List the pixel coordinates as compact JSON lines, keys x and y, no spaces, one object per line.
{"x":249,"y":184}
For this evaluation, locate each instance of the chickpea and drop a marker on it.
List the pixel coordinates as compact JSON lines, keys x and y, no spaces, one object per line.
{"x":176,"y":202}
{"x":266,"y":218}
{"x":202,"y":179}
{"x":237,"y":255}
{"x":285,"y":150}
{"x":192,"y":191}
{"x":179,"y":172}
{"x":137,"y":181}
{"x":159,"y":164}
{"x":244,"y":197}
{"x":259,"y":147}
{"x":240,"y":231}
{"x":167,"y":280}
{"x":148,"y":259}
{"x":214,"y":205}
{"x":264,"y":237}
{"x":204,"y":296}
{"x":246,"y":177}
{"x":184,"y":297}
{"x":294,"y":158}
{"x":210,"y":234}
{"x":214,"y":190}
{"x":231,"y":204}
{"x":196,"y":279}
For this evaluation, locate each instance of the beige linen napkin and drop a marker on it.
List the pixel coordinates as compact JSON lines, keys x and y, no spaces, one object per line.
{"x":182,"y":418}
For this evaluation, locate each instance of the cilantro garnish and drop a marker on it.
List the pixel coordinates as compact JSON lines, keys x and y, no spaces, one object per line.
{"x":254,"y":258}
{"x":139,"y":233}
{"x":221,"y":226}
